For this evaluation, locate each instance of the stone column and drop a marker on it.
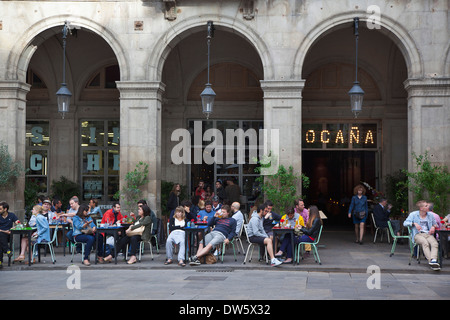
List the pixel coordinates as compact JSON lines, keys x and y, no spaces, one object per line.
{"x":12,"y":133}
{"x":283,"y":111}
{"x":140,"y":134}
{"x":428,"y":120}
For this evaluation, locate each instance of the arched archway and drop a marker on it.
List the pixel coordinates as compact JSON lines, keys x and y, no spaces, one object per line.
{"x":389,"y":27}
{"x":24,"y":47}
{"x":336,"y":146}
{"x":236,"y":70}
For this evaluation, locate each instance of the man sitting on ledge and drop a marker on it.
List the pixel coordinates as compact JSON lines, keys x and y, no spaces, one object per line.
{"x":224,"y":231}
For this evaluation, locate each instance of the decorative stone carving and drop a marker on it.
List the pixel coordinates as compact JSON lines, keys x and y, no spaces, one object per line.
{"x":171,"y":10}
{"x":248,"y":9}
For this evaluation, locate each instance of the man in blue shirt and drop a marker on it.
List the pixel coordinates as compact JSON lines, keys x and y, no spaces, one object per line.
{"x":207,"y":212}
{"x":7,"y":220}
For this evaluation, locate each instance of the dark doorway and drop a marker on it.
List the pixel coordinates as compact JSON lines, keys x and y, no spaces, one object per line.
{"x":333,"y":175}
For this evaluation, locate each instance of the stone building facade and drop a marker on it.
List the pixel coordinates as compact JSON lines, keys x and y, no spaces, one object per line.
{"x":136,"y":68}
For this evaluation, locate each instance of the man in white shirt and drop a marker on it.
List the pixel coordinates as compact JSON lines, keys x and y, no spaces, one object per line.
{"x":238,"y":216}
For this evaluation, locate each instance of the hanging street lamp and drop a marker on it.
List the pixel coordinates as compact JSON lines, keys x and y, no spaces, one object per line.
{"x":208,"y":95}
{"x":63,"y":95}
{"x":356,"y":93}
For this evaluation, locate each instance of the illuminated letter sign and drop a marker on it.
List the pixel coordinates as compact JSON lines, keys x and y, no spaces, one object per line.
{"x":340,"y":136}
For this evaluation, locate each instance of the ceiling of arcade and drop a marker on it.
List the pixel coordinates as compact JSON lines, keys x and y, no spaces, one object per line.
{"x":235,"y":67}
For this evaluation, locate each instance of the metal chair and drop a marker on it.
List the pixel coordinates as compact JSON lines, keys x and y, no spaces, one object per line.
{"x":314,"y":244}
{"x":73,"y":248}
{"x":49,"y":244}
{"x":142,"y":245}
{"x":413,"y":246}
{"x":395,"y":237}
{"x":251,"y":246}
{"x":379,"y":228}
{"x":237,"y":238}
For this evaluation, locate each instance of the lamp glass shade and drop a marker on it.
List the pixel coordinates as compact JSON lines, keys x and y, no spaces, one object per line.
{"x":63,"y":98}
{"x":208,"y":95}
{"x":356,"y":98}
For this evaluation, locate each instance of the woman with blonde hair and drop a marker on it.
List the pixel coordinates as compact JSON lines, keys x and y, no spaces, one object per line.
{"x":359,"y":211}
{"x":37,"y":209}
{"x":176,"y":236}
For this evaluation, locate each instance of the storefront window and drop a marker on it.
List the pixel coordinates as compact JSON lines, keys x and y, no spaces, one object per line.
{"x":99,"y":159}
{"x":230,"y":159}
{"x":37,"y":143}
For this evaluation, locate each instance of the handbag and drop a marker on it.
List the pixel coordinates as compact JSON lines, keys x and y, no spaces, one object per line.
{"x":360,"y":215}
{"x":136,"y":232}
{"x":88,"y":230}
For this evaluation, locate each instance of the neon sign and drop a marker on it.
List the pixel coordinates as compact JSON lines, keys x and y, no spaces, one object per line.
{"x":340,"y":136}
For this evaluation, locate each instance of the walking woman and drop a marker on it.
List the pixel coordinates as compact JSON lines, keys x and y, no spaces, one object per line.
{"x":359,"y":211}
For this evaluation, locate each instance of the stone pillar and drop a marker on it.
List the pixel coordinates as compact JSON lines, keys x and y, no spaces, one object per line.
{"x":283,"y":111}
{"x":12,"y":133}
{"x":428,"y":121}
{"x":140,"y":134}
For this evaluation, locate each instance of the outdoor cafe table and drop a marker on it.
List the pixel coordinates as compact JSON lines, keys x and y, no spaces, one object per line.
{"x":443,"y":239}
{"x":281,"y":230}
{"x":28,"y":231}
{"x":190,"y":234}
{"x":64,"y":226}
{"x":112,"y":230}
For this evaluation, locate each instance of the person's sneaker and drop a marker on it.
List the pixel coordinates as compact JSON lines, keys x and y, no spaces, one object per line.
{"x":275,"y":262}
{"x":193,"y":261}
{"x":434,"y":265}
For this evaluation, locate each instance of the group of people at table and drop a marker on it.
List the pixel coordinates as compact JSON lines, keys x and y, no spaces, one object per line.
{"x":422,"y":222}
{"x":224,"y":222}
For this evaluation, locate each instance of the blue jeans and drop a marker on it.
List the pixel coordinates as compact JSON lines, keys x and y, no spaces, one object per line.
{"x":89,"y":240}
{"x":286,"y":244}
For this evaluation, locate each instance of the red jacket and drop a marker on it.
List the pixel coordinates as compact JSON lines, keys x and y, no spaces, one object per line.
{"x":109,"y":215}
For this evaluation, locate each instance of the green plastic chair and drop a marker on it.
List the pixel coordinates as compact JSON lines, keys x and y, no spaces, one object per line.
{"x":237,"y":238}
{"x":395,"y":237}
{"x":413,"y":247}
{"x":313,"y":246}
{"x":37,"y":246}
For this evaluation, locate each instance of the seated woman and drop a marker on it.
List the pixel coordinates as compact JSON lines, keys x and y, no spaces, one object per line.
{"x":176,"y":236}
{"x":144,"y":220}
{"x":94,"y":210}
{"x":82,"y":223}
{"x":310,"y":233}
{"x":37,"y":209}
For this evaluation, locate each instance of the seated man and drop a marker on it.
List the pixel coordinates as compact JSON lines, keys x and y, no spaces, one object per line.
{"x":256,"y":233}
{"x":208,"y":212}
{"x":423,"y":227}
{"x":381,"y":212}
{"x":112,"y":215}
{"x":224,"y":231}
